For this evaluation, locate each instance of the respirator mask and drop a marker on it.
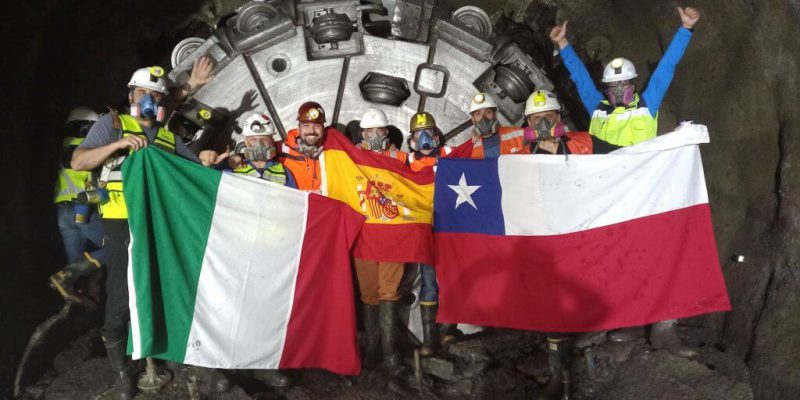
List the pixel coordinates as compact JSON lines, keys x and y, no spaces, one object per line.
{"x":486,"y":127}
{"x":148,"y":108}
{"x":620,"y":94}
{"x":425,"y":140}
{"x":259,"y":152}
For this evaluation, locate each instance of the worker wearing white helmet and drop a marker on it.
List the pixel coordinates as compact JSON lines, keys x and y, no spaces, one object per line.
{"x":489,"y":139}
{"x":255,"y":155}
{"x":547,"y":134}
{"x":623,"y":116}
{"x":78,"y":219}
{"x":375,"y":135}
{"x":107,"y":144}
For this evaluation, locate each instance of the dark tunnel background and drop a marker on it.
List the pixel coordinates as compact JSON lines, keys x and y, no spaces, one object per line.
{"x":739,"y":77}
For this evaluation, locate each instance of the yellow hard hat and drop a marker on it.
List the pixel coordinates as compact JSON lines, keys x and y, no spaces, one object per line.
{"x":422,"y":120}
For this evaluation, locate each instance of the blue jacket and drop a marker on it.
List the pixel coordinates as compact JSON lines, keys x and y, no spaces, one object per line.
{"x":652,"y":95}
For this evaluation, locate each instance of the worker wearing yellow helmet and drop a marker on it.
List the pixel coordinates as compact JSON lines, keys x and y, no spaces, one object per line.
{"x":624,"y":116}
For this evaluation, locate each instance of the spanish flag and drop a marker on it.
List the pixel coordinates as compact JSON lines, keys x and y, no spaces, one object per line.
{"x":396,"y":201}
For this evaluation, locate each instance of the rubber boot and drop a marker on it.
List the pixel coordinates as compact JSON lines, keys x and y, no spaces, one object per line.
{"x":447,"y":334}
{"x":273,"y":378}
{"x":626,"y":334}
{"x":64,"y":281}
{"x":391,"y":357}
{"x":429,"y":330}
{"x":124,"y":385}
{"x":664,"y":336}
{"x":372,"y":335}
{"x":558,"y":358}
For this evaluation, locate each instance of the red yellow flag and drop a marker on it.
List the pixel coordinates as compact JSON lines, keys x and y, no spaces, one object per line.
{"x":396,"y":201}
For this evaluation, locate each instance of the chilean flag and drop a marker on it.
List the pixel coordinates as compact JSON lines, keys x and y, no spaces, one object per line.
{"x":584,"y":243}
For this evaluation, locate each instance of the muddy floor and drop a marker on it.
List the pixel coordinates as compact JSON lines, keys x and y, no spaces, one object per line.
{"x":499,"y":364}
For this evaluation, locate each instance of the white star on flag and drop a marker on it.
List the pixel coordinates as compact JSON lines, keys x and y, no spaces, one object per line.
{"x":464,"y":192}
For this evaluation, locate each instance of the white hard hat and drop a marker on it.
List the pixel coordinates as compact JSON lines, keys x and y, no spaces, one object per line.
{"x":541,"y":101}
{"x":82,"y":114}
{"x":373,"y":118}
{"x":149,"y":78}
{"x":619,"y":69}
{"x":258,"y":125}
{"x":481,"y":101}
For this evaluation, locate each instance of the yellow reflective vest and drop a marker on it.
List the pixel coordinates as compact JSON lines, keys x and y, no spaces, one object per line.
{"x":274,"y":173}
{"x":70,"y":182}
{"x":115,"y":207}
{"x":623,"y":126}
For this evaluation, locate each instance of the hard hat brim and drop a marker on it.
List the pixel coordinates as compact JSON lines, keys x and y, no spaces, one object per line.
{"x":619,"y":79}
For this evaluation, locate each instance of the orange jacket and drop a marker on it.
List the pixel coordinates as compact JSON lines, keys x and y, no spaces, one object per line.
{"x":579,"y":143}
{"x":398,"y":155}
{"x":417,"y":164}
{"x":305,"y":169}
{"x":511,"y":142}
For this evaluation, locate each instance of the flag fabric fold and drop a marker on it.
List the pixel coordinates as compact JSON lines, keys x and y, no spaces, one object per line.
{"x":232,"y":272}
{"x":584,"y":243}
{"x":396,"y":201}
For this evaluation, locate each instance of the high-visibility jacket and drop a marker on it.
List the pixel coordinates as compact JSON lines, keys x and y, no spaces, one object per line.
{"x":511,"y":142}
{"x":273,"y":172}
{"x":398,"y":155}
{"x":623,"y":126}
{"x":115,"y":208}
{"x":305,"y":169}
{"x":418,"y":162}
{"x":70,"y":182}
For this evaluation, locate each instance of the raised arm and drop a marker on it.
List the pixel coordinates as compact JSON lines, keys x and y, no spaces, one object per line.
{"x":202,"y":73}
{"x":588,"y":92}
{"x":656,"y":89}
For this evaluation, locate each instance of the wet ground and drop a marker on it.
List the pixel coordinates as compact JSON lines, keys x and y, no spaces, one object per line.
{"x":500,"y":364}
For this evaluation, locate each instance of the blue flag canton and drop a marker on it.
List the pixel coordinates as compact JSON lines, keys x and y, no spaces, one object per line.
{"x":468,"y":197}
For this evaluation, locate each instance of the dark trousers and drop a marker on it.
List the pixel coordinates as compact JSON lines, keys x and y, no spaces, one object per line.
{"x":116,"y":239}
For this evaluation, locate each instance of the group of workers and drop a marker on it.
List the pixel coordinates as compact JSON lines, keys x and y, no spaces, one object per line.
{"x":96,"y":236}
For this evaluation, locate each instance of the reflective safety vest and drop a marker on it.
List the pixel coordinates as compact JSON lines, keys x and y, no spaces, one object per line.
{"x":274,"y":173}
{"x":70,"y":182}
{"x":115,"y":207}
{"x":398,"y":155}
{"x":623,"y":126}
{"x":511,"y":142}
{"x":417,"y":164}
{"x":306,"y":170}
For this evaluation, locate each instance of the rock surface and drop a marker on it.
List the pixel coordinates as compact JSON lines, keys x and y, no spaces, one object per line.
{"x":499,"y":364}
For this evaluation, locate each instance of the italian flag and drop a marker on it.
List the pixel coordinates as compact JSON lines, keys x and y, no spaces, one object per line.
{"x":228,"y":271}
